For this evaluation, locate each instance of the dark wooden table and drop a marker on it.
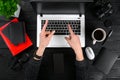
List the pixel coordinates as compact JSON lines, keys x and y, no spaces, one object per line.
{"x":29,"y":16}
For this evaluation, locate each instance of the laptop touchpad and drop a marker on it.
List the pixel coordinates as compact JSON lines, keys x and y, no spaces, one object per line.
{"x":58,"y":41}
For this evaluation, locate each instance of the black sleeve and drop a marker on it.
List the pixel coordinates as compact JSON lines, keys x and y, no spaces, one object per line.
{"x":32,"y":69}
{"x":81,"y":70}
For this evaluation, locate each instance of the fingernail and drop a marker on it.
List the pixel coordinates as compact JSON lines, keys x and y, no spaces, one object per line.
{"x":54,"y":31}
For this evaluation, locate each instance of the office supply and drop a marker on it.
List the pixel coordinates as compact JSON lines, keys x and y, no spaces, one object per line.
{"x":105,"y":60}
{"x":108,"y":35}
{"x":15,"y":32}
{"x":90,"y":53}
{"x":103,"y":8}
{"x":17,"y":63}
{"x":15,"y":49}
{"x":108,"y":23}
{"x":63,"y":11}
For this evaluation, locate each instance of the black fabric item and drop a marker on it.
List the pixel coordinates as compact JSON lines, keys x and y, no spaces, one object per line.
{"x":81,"y":70}
{"x":58,"y":61}
{"x":105,"y":60}
{"x":15,"y":32}
{"x":33,"y":67}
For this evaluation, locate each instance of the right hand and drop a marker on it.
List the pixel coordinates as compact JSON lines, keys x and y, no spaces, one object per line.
{"x":74,"y":42}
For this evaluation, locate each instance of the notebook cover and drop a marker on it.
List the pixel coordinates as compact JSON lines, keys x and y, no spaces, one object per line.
{"x":15,"y":49}
{"x":105,"y":60}
{"x":2,"y":43}
{"x":15,"y":32}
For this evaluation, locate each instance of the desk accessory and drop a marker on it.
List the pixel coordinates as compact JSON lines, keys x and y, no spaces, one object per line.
{"x":18,"y":62}
{"x":108,"y":23}
{"x":15,"y":49}
{"x":103,"y":8}
{"x":98,"y":35}
{"x":90,"y":53}
{"x":105,"y":60}
{"x":10,"y":8}
{"x":15,"y":32}
{"x":108,"y":35}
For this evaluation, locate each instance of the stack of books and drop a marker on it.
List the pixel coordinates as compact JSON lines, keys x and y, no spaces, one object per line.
{"x":14,"y":35}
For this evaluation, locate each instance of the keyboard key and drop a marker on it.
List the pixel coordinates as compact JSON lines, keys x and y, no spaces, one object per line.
{"x":61,"y":26}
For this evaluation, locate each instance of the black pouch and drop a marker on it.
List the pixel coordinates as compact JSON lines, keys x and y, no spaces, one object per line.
{"x":105,"y":60}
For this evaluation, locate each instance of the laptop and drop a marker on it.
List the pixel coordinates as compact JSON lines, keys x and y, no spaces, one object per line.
{"x":60,"y":13}
{"x":59,"y":23}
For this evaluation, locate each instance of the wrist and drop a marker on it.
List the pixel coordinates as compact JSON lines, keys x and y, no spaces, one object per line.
{"x":78,"y":50}
{"x":79,"y":57}
{"x":79,"y":54}
{"x":36,"y":57}
{"x":40,"y":51}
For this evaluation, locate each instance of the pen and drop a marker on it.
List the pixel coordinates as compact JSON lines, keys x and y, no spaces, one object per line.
{"x":109,"y":34}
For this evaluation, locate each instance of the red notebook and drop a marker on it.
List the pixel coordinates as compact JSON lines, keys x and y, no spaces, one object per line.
{"x":15,"y":49}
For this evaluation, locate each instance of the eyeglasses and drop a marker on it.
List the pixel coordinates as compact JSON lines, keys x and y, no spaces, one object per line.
{"x":18,"y":63}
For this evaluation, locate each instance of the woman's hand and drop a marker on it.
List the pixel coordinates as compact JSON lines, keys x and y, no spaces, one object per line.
{"x":45,"y":37}
{"x":74,"y":42}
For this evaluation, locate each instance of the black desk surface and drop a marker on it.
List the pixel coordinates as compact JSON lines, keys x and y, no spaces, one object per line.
{"x":92,"y":22}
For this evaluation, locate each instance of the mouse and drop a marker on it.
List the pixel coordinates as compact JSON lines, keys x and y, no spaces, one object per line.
{"x":90,"y":53}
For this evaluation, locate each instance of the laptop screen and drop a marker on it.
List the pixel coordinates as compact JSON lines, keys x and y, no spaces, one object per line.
{"x":57,"y":6}
{"x":62,"y":0}
{"x":68,"y":8}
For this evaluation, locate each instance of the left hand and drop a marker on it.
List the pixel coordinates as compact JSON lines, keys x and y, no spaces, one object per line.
{"x":45,"y":37}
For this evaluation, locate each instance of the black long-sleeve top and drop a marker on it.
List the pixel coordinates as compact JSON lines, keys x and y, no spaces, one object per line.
{"x":32,"y":70}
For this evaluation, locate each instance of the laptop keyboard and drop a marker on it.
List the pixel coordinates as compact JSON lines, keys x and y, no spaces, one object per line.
{"x":61,"y":26}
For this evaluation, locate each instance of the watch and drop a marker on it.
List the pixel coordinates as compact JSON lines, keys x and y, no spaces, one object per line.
{"x":36,"y":57}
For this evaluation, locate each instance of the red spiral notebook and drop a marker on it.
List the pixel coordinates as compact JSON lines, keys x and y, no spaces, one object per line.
{"x":15,"y":49}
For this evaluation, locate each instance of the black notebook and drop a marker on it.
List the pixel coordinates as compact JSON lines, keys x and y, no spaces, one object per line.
{"x":2,"y":43}
{"x":15,"y":32}
{"x":105,"y":60}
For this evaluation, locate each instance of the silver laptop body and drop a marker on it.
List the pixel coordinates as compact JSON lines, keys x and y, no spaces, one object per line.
{"x":58,"y":41}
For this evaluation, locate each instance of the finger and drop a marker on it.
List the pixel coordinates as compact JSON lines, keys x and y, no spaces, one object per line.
{"x":45,"y":25}
{"x":47,"y":32}
{"x":70,"y":29}
{"x":51,"y":34}
{"x":67,"y":39}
